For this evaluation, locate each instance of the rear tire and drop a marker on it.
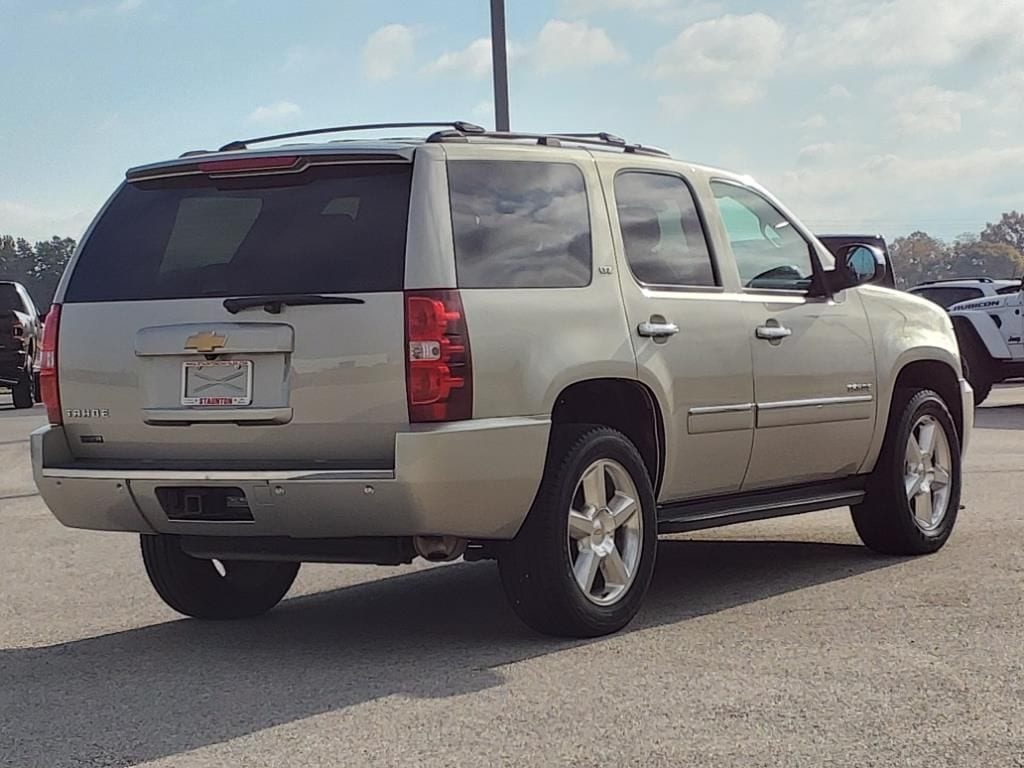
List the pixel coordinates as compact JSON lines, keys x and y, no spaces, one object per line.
{"x":977,"y":370}
{"x":583,"y":560}
{"x":913,"y":495}
{"x":196,"y":587}
{"x":21,"y":393}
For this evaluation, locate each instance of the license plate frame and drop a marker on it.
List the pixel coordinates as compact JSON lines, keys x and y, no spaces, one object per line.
{"x":224,"y":392}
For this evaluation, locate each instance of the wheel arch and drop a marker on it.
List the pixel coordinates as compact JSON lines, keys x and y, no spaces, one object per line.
{"x":935,"y":369}
{"x":979,"y":328}
{"x":935,"y":375}
{"x":626,"y":405}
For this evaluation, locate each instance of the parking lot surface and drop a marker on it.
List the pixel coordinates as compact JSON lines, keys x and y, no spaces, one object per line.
{"x":772,"y":644}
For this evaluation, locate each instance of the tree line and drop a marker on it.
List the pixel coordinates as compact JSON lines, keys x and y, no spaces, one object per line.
{"x":38,"y":266}
{"x":996,"y":251}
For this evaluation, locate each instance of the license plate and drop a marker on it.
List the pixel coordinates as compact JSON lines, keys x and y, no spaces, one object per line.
{"x":211,"y":383}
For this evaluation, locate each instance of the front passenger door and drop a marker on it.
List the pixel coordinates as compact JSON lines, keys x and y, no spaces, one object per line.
{"x":814,"y":366}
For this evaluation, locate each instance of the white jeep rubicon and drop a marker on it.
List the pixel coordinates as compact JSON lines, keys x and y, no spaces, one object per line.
{"x":541,"y":349}
{"x":990,"y":329}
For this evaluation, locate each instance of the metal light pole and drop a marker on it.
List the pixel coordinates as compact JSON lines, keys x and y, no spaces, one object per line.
{"x":499,"y":65}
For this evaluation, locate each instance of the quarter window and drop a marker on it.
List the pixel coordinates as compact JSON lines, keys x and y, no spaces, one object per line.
{"x":519,"y":224}
{"x":662,"y":233}
{"x":770,"y":253}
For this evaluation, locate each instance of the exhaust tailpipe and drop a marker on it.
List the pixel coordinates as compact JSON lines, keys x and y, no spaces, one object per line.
{"x":439,"y":549}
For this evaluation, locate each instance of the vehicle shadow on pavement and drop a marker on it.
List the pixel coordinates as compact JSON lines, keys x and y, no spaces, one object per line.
{"x":999,"y":417}
{"x":167,"y":689}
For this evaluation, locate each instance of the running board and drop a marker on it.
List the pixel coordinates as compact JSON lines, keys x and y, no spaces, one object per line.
{"x":698,"y":514}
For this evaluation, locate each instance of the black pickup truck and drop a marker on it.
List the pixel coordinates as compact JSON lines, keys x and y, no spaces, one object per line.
{"x":20,"y":333}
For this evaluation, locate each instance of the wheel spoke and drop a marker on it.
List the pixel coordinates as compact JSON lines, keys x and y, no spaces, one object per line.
{"x":913,"y":484}
{"x":923,"y":508}
{"x":595,"y":488}
{"x":926,"y":439}
{"x":580,"y":525}
{"x":913,"y":450}
{"x":622,"y":508}
{"x":615,"y":571}
{"x":585,"y":570}
{"x":941,"y":479}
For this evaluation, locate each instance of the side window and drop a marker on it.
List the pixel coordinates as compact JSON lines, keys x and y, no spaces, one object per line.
{"x":947,"y":297}
{"x":769,"y":252}
{"x":519,"y":224}
{"x":661,"y":230}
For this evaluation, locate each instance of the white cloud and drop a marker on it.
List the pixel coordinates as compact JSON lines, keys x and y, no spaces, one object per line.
{"x":483,"y":111}
{"x":729,"y":45}
{"x":388,"y":51}
{"x":473,"y":61}
{"x":838,"y":93}
{"x":34,"y":223}
{"x":94,"y":10}
{"x":852,"y":188}
{"x":301,"y":58}
{"x":726,"y":58}
{"x":565,"y":45}
{"x":815,"y":154}
{"x":928,"y":111}
{"x":667,"y":11}
{"x":1003,"y":93}
{"x":560,"y":46}
{"x":901,"y":33}
{"x":278,"y":112}
{"x":815,"y":122}
{"x":596,"y":6}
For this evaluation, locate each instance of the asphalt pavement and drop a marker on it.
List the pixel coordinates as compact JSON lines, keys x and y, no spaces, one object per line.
{"x":772,"y":644}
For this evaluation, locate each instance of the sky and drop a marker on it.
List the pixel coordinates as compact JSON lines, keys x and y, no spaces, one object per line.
{"x":864,"y":116}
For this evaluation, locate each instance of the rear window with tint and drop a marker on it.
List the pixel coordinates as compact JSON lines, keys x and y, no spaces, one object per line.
{"x":329,"y":229}
{"x":10,"y":298}
{"x":519,"y":224}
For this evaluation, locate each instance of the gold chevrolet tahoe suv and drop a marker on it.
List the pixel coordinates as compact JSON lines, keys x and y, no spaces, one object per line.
{"x":540,"y":349}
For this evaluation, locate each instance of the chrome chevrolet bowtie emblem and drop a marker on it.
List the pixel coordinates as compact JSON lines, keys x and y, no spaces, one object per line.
{"x":205,"y":341}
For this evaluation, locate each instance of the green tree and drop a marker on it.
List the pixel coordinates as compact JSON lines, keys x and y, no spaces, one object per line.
{"x":919,"y":257}
{"x":973,"y":257}
{"x":51,"y":256}
{"x":38,"y":267}
{"x":1009,"y":229}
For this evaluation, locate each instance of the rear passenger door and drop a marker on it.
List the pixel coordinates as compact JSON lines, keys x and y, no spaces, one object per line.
{"x":687,"y":331}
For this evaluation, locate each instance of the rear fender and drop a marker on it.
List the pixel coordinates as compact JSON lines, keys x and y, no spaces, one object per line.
{"x":979,"y":327}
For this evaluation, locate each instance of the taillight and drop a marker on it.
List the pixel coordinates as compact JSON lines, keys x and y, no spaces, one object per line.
{"x":49,"y":389}
{"x":439,"y":369}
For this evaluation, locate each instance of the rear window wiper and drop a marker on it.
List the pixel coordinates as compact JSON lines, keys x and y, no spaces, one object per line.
{"x":274,"y":303}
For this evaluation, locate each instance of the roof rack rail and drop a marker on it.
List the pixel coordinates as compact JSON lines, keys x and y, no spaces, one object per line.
{"x":460,"y":126}
{"x":551,"y":140}
{"x":958,"y":280}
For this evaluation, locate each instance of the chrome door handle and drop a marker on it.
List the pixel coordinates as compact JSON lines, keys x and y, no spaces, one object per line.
{"x":657,"y":330}
{"x":772,"y":332}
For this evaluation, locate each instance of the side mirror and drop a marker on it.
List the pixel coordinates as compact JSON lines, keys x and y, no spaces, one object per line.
{"x":856,"y":264}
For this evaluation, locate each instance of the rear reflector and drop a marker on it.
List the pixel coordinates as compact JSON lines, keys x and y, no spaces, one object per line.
{"x":49,"y":389}
{"x":249,"y":164}
{"x":439,"y":368}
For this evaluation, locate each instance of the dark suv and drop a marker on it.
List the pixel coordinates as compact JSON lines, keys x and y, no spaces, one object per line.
{"x":19,"y":340}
